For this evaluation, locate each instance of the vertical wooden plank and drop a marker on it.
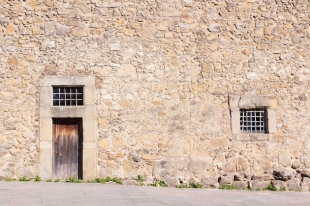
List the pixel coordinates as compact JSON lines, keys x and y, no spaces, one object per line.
{"x":74,"y":150}
{"x":64,"y":153}
{"x":54,"y":149}
{"x":58,"y":140}
{"x":66,"y":142}
{"x":56,"y":152}
{"x":60,"y":155}
{"x":67,"y":146}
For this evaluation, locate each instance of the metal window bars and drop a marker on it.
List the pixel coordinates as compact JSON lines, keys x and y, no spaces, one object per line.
{"x":67,"y":96}
{"x":253,"y":121}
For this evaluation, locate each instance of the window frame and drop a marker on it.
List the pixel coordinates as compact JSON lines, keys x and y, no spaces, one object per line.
{"x":65,"y":99}
{"x":247,"y":120}
{"x":237,"y":102}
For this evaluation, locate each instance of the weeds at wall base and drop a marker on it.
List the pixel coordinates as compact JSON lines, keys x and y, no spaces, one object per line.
{"x":271,"y":187}
{"x":105,"y":180}
{"x":227,"y":187}
{"x":190,"y":185}
{"x":37,"y":179}
{"x":72,"y":180}
{"x":140,"y":182}
{"x":140,"y":178}
{"x":158,"y":183}
{"x":9,"y":179}
{"x":23,"y":179}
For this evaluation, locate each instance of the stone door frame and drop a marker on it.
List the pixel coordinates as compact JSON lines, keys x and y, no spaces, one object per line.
{"x":87,"y":112}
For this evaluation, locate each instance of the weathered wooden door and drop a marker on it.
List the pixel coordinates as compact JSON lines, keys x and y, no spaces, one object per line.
{"x":67,"y":148}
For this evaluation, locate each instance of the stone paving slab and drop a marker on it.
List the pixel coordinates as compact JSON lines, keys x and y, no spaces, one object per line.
{"x":78,"y":194}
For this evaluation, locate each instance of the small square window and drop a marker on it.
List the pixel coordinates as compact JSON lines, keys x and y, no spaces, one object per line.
{"x":67,"y":96}
{"x":253,"y":121}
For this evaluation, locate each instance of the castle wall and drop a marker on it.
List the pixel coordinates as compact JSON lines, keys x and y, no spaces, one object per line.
{"x":165,"y":72}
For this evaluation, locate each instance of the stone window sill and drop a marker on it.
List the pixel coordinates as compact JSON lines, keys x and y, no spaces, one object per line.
{"x":253,"y":137}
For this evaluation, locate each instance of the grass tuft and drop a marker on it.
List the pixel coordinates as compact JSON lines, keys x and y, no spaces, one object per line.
{"x":182,"y":186}
{"x":195,"y":185}
{"x":23,"y":179}
{"x":56,"y":180}
{"x":190,"y":185}
{"x":37,"y":179}
{"x":227,"y":187}
{"x":159,"y":183}
{"x":9,"y":179}
{"x":73,"y":180}
{"x":140,"y":178}
{"x":271,"y":187}
{"x":105,"y":180}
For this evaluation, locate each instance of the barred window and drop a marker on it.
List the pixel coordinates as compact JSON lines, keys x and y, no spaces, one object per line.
{"x":253,"y":121}
{"x":67,"y":96}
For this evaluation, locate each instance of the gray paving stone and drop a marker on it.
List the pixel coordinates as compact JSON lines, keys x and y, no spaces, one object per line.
{"x":16,"y":193}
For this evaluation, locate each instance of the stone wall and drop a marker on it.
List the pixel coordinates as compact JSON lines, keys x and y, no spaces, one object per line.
{"x":164,"y":72}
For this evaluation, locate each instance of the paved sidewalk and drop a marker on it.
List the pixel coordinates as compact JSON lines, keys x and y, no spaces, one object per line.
{"x":30,"y":193}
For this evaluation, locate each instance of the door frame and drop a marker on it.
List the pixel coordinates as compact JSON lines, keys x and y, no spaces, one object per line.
{"x":89,"y":121}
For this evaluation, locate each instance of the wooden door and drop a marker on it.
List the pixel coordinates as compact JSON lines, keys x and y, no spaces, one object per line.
{"x":67,"y":148}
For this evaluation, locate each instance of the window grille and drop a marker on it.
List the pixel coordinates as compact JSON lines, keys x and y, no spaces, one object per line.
{"x":67,"y":96}
{"x":253,"y":121}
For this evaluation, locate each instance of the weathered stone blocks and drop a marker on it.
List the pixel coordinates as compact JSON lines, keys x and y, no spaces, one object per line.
{"x":294,"y":184}
{"x":210,"y":182}
{"x":282,"y":174}
{"x":258,"y":185}
{"x":168,"y":80}
{"x":240,"y":185}
{"x":198,"y":163}
{"x":237,"y":165}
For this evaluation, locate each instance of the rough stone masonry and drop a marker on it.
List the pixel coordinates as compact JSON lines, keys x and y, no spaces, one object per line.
{"x":170,"y":78}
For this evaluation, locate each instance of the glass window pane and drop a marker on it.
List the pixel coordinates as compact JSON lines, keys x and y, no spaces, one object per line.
{"x":80,"y":102}
{"x":79,"y":89}
{"x":56,"y":103}
{"x":55,"y":96}
{"x":80,"y":96}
